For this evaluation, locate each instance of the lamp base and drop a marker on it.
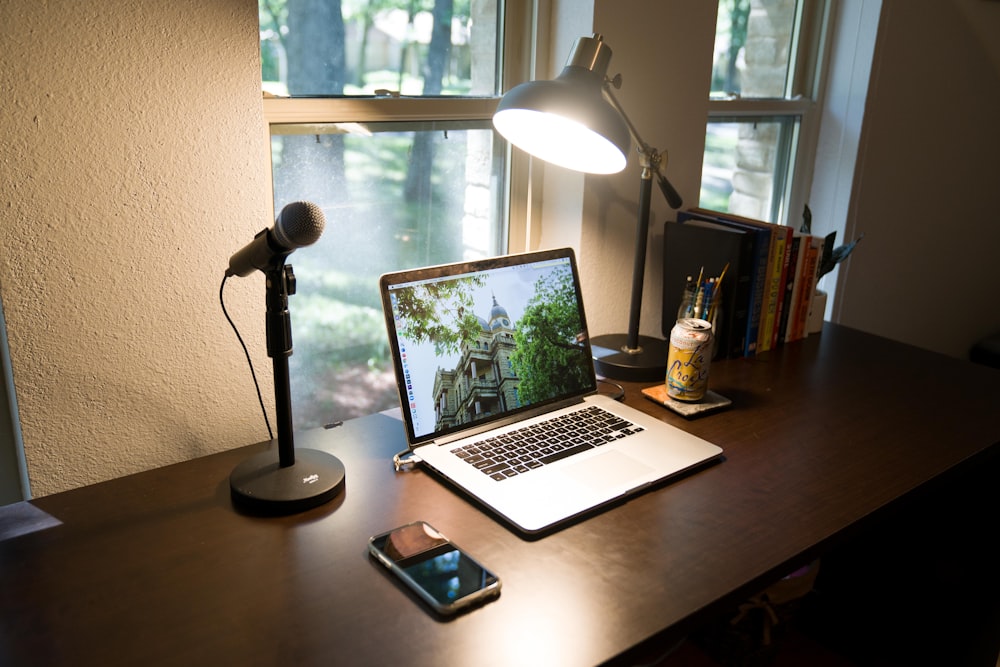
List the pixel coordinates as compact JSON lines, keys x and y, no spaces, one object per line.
{"x":260,"y":484}
{"x":611,"y":360}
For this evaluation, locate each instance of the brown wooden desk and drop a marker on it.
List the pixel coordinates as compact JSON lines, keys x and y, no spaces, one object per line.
{"x":825,"y":437}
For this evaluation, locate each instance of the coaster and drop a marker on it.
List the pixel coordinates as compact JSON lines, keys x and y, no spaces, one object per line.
{"x":711,"y":401}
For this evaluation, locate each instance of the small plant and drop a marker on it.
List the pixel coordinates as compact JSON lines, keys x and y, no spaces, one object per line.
{"x":831,"y":256}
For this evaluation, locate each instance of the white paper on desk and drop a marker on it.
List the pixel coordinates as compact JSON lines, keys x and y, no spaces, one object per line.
{"x":22,"y":518}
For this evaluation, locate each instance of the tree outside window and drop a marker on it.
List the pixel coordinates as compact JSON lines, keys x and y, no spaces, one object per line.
{"x":764,"y":83}
{"x":403,"y":182}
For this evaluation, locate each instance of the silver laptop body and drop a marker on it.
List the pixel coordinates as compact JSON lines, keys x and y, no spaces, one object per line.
{"x":485,"y":348}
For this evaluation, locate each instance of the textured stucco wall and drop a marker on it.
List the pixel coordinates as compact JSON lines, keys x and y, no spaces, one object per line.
{"x":134,"y":163}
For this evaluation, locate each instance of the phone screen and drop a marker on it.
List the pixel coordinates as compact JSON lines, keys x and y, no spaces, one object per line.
{"x":441,"y":573}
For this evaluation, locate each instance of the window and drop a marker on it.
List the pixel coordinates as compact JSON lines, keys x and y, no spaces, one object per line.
{"x":379,"y":111}
{"x":762,"y":112}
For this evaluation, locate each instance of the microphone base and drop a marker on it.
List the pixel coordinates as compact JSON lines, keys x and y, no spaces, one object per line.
{"x":261,"y":485}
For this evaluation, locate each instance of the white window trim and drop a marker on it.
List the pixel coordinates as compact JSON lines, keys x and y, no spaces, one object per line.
{"x":281,"y":110}
{"x":520,"y":24}
{"x":807,"y":109}
{"x":757,"y":107}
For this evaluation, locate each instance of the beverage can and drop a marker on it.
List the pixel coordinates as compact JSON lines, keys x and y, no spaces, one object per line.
{"x":690,"y":353}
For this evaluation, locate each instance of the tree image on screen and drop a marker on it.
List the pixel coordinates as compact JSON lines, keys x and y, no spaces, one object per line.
{"x":440,"y":313}
{"x":550,"y":357}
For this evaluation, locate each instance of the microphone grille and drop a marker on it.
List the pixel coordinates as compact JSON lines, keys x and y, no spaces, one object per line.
{"x":299,"y":224}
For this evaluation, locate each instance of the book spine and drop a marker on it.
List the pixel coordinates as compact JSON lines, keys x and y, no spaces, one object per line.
{"x":740,"y":311}
{"x":821,"y":250}
{"x":806,"y":287}
{"x":769,"y":309}
{"x":777,"y":331}
{"x":788,"y":296}
{"x":796,"y":288}
{"x":757,"y":292}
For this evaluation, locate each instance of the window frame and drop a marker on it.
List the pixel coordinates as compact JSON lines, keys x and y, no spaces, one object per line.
{"x":801,"y":103}
{"x":514,"y":66}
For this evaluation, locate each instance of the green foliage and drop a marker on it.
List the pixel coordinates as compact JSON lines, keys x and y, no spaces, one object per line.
{"x":714,"y":199}
{"x":359,"y":17}
{"x":442,"y":314}
{"x":339,"y":328}
{"x":720,"y":158}
{"x":731,"y":32}
{"x":333,"y":332}
{"x":548,"y":358}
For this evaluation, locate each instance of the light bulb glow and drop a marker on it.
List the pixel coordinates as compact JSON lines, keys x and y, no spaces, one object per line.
{"x":559,"y":140}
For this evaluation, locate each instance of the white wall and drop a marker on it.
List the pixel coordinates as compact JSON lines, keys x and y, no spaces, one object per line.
{"x":659,"y":48}
{"x":134,"y":164}
{"x":925,"y":188}
{"x":852,"y":34}
{"x":561,"y":218}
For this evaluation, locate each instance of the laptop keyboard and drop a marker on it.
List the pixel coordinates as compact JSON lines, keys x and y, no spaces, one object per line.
{"x":517,"y":452}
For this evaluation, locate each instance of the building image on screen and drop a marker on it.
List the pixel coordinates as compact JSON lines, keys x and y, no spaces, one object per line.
{"x":483,"y":383}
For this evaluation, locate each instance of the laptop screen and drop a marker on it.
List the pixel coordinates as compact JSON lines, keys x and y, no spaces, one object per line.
{"x":477,"y":342}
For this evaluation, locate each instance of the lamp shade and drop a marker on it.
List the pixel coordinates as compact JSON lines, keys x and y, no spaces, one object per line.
{"x":567,"y":121}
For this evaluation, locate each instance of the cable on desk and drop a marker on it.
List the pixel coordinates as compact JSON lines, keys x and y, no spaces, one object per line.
{"x":618,"y":395}
{"x":405,"y":460}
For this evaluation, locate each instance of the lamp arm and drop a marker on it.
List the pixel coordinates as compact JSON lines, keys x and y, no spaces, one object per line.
{"x":651,"y":159}
{"x":609,"y":84}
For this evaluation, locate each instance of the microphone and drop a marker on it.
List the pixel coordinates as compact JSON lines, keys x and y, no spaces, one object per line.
{"x":299,"y":224}
{"x":276,"y":482}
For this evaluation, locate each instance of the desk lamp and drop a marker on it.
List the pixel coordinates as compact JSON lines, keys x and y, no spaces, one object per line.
{"x":576,"y":122}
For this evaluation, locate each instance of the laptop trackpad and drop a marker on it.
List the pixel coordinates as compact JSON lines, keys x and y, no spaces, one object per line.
{"x":611,"y":468}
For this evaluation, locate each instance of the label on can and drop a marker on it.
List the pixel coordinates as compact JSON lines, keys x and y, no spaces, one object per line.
{"x":689,"y":357}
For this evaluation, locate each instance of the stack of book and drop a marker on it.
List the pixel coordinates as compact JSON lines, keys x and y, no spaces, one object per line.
{"x":770,"y":274}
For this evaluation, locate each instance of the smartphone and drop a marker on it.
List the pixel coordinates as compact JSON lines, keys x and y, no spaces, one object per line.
{"x":442,"y":575}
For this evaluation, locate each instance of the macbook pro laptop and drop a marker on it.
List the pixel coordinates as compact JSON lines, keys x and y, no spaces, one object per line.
{"x":499,"y":396}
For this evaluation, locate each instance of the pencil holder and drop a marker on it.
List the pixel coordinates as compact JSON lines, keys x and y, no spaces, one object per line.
{"x":692,"y":308}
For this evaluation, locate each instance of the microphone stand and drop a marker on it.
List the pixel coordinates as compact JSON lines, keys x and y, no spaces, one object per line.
{"x":281,"y":484}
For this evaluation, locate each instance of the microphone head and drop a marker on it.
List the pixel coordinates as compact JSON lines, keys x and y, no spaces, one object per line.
{"x":299,"y":224}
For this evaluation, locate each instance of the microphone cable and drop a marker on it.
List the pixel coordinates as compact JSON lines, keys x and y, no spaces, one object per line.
{"x":260,"y":399}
